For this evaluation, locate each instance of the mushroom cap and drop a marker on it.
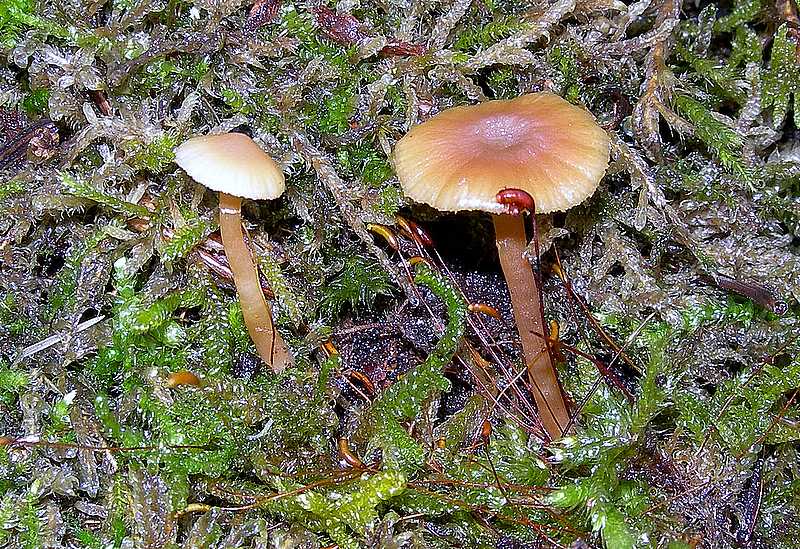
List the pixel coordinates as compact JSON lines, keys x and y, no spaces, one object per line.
{"x":231,"y":163}
{"x":539,"y":143}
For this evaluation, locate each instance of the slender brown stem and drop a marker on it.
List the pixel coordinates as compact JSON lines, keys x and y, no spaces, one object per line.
{"x":255,"y":310}
{"x":525,"y":298}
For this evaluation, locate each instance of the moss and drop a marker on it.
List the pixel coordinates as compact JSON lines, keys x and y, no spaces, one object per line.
{"x":86,"y":190}
{"x":565,"y":60}
{"x":195,"y":419}
{"x":154,"y":156}
{"x":289,"y":304}
{"x":62,"y":296}
{"x":782,"y":81}
{"x":185,"y":237}
{"x":163,"y":73}
{"x":17,"y":16}
{"x":743,"y":12}
{"x":12,"y":322}
{"x":359,"y":284}
{"x":745,"y":47}
{"x":473,"y":38}
{"x":35,"y":102}
{"x":10,"y":188}
{"x":12,"y":381}
{"x":504,"y":85}
{"x":701,"y":112}
{"x":30,"y":525}
{"x":742,"y":410}
{"x":723,"y":80}
{"x":390,"y":200}
{"x":88,"y":539}
{"x":722,"y":140}
{"x":364,"y":161}
{"x":404,"y":399}
{"x":218,"y":336}
{"x":300,"y":25}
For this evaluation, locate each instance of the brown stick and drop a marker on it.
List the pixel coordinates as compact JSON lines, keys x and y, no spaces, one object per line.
{"x":511,"y":243}
{"x":255,"y":310}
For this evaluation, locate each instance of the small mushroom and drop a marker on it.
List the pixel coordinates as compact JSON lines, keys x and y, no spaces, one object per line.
{"x":235,"y":165}
{"x":503,"y":157}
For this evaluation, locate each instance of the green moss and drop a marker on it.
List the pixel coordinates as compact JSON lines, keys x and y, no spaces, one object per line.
{"x":604,"y":514}
{"x":743,"y":410}
{"x":289,"y":306}
{"x":12,"y":321}
{"x":357,"y":286}
{"x":347,"y":509}
{"x":83,"y":189}
{"x":610,"y":437}
{"x":10,"y":188}
{"x":88,"y":539}
{"x":152,"y":317}
{"x":8,"y":509}
{"x":300,"y":25}
{"x":745,"y":47}
{"x":743,"y":12}
{"x":735,"y":310}
{"x":35,"y":103}
{"x":198,"y":419}
{"x":143,"y":335}
{"x":12,"y":381}
{"x":62,"y":296}
{"x":30,"y":525}
{"x":117,"y":504}
{"x":365,"y":161}
{"x":165,"y":72}
{"x":782,"y":81}
{"x":403,"y":400}
{"x":186,"y":237}
{"x":723,"y":80}
{"x":336,"y":111}
{"x":16,"y":16}
{"x":236,"y":101}
{"x":720,"y":139}
{"x":390,"y":200}
{"x":565,"y":60}
{"x":58,"y":419}
{"x":216,"y":336}
{"x":154,"y":156}
{"x":477,"y":37}
{"x":504,"y":85}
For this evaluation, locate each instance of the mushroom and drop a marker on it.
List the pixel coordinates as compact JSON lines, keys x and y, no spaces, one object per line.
{"x":236,"y":167}
{"x":503,"y":157}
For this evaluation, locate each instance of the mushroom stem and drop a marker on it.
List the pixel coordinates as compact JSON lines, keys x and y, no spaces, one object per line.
{"x":255,"y":310}
{"x":526,"y":301}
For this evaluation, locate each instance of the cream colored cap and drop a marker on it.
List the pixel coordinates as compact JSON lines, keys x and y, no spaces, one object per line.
{"x":462,"y":157}
{"x":231,"y":163}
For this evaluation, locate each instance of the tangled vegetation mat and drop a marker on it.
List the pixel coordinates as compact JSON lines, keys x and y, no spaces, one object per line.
{"x":406,"y":421}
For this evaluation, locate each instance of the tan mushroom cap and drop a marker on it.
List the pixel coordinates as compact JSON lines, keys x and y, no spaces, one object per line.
{"x":462,"y":157}
{"x":231,"y":163}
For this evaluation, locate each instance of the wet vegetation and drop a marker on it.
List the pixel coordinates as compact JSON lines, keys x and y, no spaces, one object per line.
{"x":406,"y":421}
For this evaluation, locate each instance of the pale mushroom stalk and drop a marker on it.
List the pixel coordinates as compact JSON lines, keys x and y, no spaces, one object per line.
{"x":255,"y":310}
{"x":526,"y":302}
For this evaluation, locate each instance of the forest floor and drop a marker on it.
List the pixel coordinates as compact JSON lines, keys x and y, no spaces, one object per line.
{"x":675,"y":288}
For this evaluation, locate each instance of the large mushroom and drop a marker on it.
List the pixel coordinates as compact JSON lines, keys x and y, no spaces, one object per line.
{"x":236,"y":167}
{"x":495,"y":157}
